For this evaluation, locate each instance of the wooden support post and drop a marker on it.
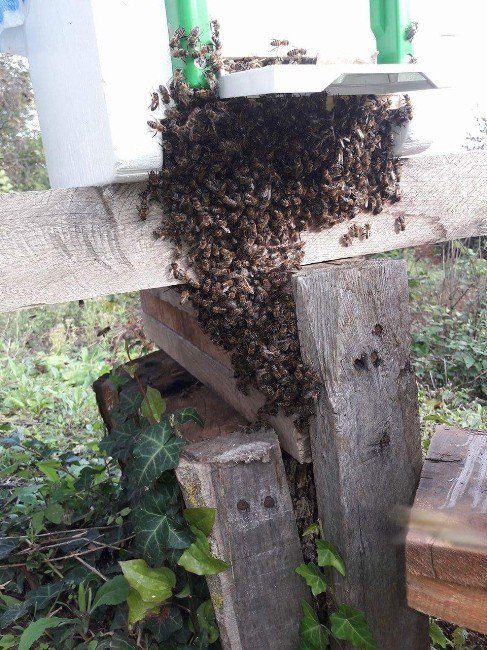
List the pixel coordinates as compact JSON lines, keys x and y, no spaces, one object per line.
{"x":257,"y":601}
{"x":354,"y":324}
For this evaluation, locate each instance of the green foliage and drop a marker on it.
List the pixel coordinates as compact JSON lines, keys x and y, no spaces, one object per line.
{"x":437,"y":636}
{"x":346,"y":623}
{"x":107,"y":539}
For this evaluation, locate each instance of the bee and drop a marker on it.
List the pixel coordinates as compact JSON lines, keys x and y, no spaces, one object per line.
{"x":200,"y":52}
{"x":346,"y":240}
{"x":367,"y":230}
{"x":176,"y":39}
{"x":194,"y":36}
{"x":400,"y":224}
{"x":215,"y":33}
{"x":156,"y":126}
{"x":143,"y":210}
{"x":354,"y":230}
{"x":412,"y":59}
{"x":154,"y":101}
{"x":184,"y":296}
{"x":411,"y":31}
{"x":296,"y":53}
{"x":278,"y":42}
{"x":179,"y":53}
{"x":166,"y":97}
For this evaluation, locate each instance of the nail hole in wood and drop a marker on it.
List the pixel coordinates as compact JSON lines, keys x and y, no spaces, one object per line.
{"x":243,"y":505}
{"x":375,"y":358}
{"x":269,"y":502}
{"x":378,"y":329}
{"x":361,"y":363}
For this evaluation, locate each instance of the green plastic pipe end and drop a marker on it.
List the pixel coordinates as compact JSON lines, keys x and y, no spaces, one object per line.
{"x":390,"y":21}
{"x":189,"y":14}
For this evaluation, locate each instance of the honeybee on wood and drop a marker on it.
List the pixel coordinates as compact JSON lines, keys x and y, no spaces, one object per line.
{"x":346,"y":240}
{"x":176,"y":38}
{"x":154,"y":101}
{"x":411,"y":30}
{"x":143,"y":210}
{"x":297,"y":53}
{"x":156,"y":126}
{"x":367,"y":230}
{"x":278,"y":42}
{"x":194,"y":36}
{"x":215,"y":33}
{"x":400,"y":223}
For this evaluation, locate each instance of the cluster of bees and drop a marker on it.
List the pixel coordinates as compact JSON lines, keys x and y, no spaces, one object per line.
{"x":241,"y":180}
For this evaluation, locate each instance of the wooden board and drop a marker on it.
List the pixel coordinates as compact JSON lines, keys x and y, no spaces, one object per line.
{"x":62,"y":245}
{"x":179,"y":389}
{"x":257,"y":601}
{"x":217,"y":375}
{"x":446,"y":546}
{"x":353,"y":322}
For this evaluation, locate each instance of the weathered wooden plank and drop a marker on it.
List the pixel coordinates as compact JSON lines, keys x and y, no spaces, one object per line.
{"x":62,"y":245}
{"x":353,"y":322}
{"x":257,"y":601}
{"x":446,"y":546}
{"x":179,"y":388}
{"x":220,"y":378}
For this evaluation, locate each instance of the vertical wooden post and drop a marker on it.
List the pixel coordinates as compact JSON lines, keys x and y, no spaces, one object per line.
{"x":354,"y":331}
{"x":258,"y":599}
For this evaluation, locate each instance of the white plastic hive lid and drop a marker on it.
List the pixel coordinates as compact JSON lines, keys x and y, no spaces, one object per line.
{"x":336,"y":79}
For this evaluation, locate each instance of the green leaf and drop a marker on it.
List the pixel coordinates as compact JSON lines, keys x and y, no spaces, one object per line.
{"x":164,"y":627}
{"x":348,"y":624}
{"x":313,"y":529}
{"x":54,"y":512}
{"x":198,"y":558}
{"x":154,"y":585}
{"x":313,"y":576}
{"x":40,"y":597}
{"x":202,"y":518}
{"x":36,"y":629}
{"x":459,"y":638}
{"x":206,"y":619}
{"x":13,"y":613}
{"x":156,"y":530}
{"x":49,"y":467}
{"x":153,"y":405}
{"x":37,"y":522}
{"x":328,"y":556}
{"x":8,"y":641}
{"x":437,"y":637}
{"x":311,"y":632}
{"x":119,"y":443}
{"x":138,"y":608}
{"x":129,"y":404}
{"x":7,"y":546}
{"x":113,"y":592}
{"x":185,"y":591}
{"x":156,"y":451}
{"x":188,"y":414}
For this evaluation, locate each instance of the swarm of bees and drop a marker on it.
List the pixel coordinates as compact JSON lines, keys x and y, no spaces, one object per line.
{"x":241,"y":180}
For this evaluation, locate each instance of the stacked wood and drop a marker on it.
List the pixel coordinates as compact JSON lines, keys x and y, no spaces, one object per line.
{"x":174,"y":328}
{"x":240,"y":474}
{"x":446,"y":546}
{"x":353,"y":321}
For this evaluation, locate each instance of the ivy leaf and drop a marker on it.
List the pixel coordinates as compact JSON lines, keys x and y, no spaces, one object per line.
{"x":202,"y":518}
{"x":119,"y":442}
{"x":188,"y":414}
{"x":313,"y":635}
{"x":156,"y":451}
{"x":42,"y":596}
{"x":37,"y":628}
{"x":348,"y":624}
{"x":54,"y":512}
{"x":113,"y":592}
{"x":328,"y":556}
{"x":198,"y":558}
{"x":437,"y":637}
{"x":164,"y":627}
{"x":313,"y":576}
{"x":128,"y":405}
{"x":155,"y":529}
{"x":313,"y":529}
{"x":153,"y":585}
{"x":153,"y":405}
{"x":459,"y":638}
{"x":11,"y":614}
{"x":206,"y":619}
{"x":138,"y":608}
{"x":201,"y":642}
{"x":7,"y":546}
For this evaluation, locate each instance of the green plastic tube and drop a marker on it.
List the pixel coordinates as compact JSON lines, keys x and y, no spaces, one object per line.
{"x":390,"y":20}
{"x":189,"y":14}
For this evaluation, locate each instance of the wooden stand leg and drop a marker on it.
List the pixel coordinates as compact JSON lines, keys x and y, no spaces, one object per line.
{"x":354,"y":328}
{"x":257,"y":601}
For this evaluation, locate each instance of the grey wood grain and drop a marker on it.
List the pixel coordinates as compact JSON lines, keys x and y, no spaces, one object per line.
{"x":257,"y":601}
{"x":353,"y":324}
{"x":62,"y":245}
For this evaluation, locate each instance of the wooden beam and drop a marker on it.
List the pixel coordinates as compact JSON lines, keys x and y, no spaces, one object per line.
{"x":62,"y":245}
{"x":199,"y":360}
{"x":446,"y":546}
{"x":353,"y":322}
{"x":257,"y":601}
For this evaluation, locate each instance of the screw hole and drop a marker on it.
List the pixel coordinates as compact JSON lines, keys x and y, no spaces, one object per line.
{"x":378,"y":329}
{"x":375,"y":358}
{"x":243,"y":505}
{"x":269,"y":502}
{"x":360,"y":364}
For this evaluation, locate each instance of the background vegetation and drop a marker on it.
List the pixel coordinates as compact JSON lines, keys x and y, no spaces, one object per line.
{"x":50,"y":429}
